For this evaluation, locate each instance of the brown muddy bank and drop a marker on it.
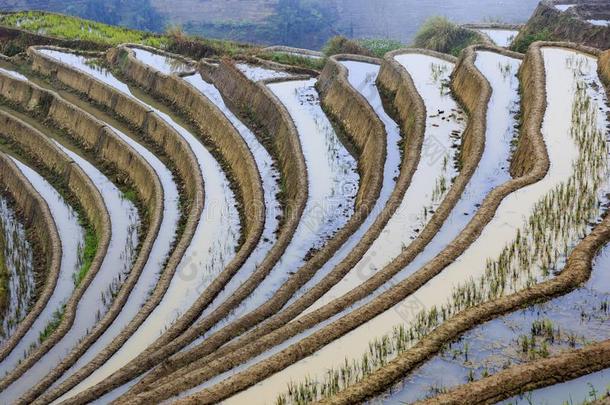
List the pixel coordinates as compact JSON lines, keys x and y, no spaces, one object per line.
{"x":529,"y":376}
{"x":566,"y":366}
{"x":155,"y":131}
{"x":110,"y":152}
{"x":285,"y":147}
{"x":358,"y":121}
{"x":368,"y":189}
{"x":368,"y":135}
{"x":213,"y":129}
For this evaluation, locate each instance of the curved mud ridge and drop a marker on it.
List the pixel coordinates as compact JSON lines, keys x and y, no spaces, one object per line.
{"x":212,"y":124}
{"x":363,"y":128}
{"x":530,"y":376}
{"x":295,"y":51}
{"x":576,"y":271}
{"x":94,"y":136}
{"x":154,"y":130}
{"x":277,"y":321}
{"x":213,"y":127}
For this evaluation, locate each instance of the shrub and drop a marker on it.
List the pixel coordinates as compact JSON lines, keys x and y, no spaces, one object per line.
{"x":441,"y":35}
{"x":339,"y":44}
{"x":522,"y":42}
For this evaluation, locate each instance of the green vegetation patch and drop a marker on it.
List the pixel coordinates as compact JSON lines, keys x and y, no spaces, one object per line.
{"x":522,"y":42}
{"x":441,"y":35}
{"x":63,"y":26}
{"x":87,"y":254}
{"x":53,"y":324}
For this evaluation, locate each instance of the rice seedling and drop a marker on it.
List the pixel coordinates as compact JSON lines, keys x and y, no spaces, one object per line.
{"x":556,"y":224}
{"x":439,"y":34}
{"x":87,"y":253}
{"x":17,"y":269}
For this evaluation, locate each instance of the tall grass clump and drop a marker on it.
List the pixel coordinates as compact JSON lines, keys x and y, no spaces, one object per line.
{"x":541,"y":245}
{"x":339,"y":44}
{"x":441,"y":35}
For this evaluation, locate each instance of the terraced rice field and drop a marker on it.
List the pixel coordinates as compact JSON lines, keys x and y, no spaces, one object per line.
{"x":411,"y":228}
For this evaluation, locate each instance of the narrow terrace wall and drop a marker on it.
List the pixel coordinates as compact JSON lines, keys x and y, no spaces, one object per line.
{"x":129,"y":167}
{"x":576,"y":271}
{"x":156,"y":131}
{"x":39,"y":149}
{"x":359,"y":123}
{"x":398,"y":86}
{"x":39,"y":223}
{"x":213,"y":126}
{"x":145,"y":121}
{"x":280,"y":135}
{"x":296,"y":70}
{"x":413,"y":133}
{"x":289,"y":49}
{"x":246,"y":91}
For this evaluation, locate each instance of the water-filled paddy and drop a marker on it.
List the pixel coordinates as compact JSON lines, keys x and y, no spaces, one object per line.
{"x":500,"y":37}
{"x":124,"y":220}
{"x":72,"y":239}
{"x":18,"y":256}
{"x":211,"y":248}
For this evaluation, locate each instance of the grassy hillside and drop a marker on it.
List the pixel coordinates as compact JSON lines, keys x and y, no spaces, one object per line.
{"x":437,"y":34}
{"x":74,"y":28}
{"x":138,"y":14}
